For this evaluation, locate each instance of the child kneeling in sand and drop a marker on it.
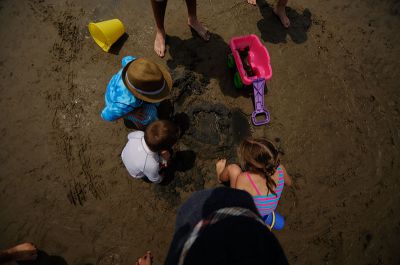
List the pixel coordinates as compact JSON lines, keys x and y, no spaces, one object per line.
{"x":146,"y":153}
{"x":135,"y":91}
{"x":263,"y":175}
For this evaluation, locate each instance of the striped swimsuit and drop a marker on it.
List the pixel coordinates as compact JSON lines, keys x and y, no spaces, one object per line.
{"x":266,"y":204}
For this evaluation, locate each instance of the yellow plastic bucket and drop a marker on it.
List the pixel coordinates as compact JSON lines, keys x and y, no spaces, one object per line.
{"x":107,"y":32}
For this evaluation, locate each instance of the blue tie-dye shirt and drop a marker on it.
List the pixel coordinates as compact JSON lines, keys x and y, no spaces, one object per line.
{"x":120,"y":101}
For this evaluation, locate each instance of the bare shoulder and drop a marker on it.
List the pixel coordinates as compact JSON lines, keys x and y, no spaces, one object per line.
{"x":234,"y":169}
{"x":241,"y":180}
{"x":135,"y":135}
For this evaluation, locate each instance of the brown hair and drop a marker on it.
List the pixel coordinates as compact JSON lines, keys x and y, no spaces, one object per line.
{"x":259,"y":155}
{"x":161,"y":135}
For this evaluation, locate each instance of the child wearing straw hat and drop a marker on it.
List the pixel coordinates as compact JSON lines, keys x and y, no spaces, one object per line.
{"x":135,"y":91}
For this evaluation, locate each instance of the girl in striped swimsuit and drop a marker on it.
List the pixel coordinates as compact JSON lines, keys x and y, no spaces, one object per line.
{"x":263,"y":176}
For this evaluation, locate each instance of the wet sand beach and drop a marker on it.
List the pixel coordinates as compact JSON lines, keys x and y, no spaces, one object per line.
{"x":334,"y":102}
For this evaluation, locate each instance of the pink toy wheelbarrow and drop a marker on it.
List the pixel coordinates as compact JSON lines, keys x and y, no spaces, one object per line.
{"x":252,"y":62}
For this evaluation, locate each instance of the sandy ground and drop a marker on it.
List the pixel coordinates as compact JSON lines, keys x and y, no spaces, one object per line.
{"x":333,"y":98}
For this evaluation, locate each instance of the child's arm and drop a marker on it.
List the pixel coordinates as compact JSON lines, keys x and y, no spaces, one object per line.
{"x":156,"y":177}
{"x":115,"y":111}
{"x":154,"y":171}
{"x":227,"y":173}
{"x":287,"y":179}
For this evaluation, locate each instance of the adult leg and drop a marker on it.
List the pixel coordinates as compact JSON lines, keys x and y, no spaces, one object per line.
{"x":194,"y":22}
{"x":159,"y":14}
{"x":280,"y":11}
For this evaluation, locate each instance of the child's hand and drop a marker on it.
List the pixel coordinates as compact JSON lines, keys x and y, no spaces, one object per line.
{"x":219,"y":167}
{"x":166,"y":155}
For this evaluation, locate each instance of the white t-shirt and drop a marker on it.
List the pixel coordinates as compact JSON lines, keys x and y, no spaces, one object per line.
{"x":139,"y":160}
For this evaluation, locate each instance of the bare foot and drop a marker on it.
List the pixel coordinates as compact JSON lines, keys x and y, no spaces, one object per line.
{"x":199,"y":28}
{"x":281,"y":13}
{"x":252,"y":2}
{"x":24,"y":251}
{"x":159,"y":43}
{"x":219,"y":167}
{"x":147,"y":259}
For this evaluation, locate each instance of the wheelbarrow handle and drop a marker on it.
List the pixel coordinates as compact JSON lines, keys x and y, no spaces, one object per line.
{"x":262,"y":122}
{"x":258,"y":89}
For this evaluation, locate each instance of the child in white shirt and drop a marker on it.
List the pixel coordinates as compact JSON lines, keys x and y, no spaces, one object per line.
{"x":146,"y":153}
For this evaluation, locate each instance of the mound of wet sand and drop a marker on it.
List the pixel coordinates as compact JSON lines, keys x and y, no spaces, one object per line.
{"x":209,"y":131}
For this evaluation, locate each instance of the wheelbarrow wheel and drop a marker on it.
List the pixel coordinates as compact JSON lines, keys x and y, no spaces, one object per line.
{"x":237,"y":81}
{"x":231,"y":62}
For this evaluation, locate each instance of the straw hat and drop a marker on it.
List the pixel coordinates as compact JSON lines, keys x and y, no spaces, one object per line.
{"x":148,"y":81}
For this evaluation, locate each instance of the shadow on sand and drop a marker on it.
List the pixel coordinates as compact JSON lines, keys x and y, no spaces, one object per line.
{"x":44,"y":259}
{"x":208,"y":59}
{"x":181,"y":162}
{"x":117,"y":46}
{"x":272,"y":29}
